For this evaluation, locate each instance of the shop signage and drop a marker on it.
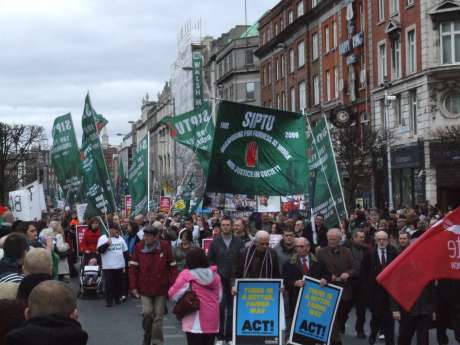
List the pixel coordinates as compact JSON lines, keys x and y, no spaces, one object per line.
{"x":407,"y":157}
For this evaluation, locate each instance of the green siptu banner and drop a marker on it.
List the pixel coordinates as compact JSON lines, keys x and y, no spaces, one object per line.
{"x":193,"y":129}
{"x":96,"y":178}
{"x":121,"y":185}
{"x":138,"y":178}
{"x":65,"y":158}
{"x":258,"y":151}
{"x":325,"y":192}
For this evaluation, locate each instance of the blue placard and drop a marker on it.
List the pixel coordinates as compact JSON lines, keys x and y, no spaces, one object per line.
{"x":315,"y":313}
{"x":257,"y":312}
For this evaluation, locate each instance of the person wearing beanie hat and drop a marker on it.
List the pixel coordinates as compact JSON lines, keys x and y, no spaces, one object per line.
{"x":114,"y":252}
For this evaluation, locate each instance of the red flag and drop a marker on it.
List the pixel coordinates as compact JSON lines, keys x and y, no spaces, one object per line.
{"x":434,"y":255}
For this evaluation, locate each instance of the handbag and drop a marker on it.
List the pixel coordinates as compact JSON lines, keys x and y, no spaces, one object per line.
{"x":187,"y":304}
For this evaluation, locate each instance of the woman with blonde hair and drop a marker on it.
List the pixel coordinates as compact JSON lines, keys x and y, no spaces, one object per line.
{"x":60,"y":247}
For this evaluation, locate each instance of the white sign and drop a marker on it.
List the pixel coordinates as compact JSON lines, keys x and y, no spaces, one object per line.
{"x":81,"y":209}
{"x":28,"y":203}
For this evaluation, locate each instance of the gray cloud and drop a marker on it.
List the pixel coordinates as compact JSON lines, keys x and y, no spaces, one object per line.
{"x":53,"y":51}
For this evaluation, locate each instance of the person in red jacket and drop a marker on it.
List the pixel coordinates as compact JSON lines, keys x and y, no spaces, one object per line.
{"x":91,"y":236}
{"x":152,"y":271}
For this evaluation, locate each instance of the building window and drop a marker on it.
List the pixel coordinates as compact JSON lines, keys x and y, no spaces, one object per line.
{"x":301,"y":54}
{"x":250,"y":91}
{"x":269,"y":73}
{"x":277,"y":29}
{"x":314,"y":3}
{"x":334,"y":35}
{"x":283,"y":100}
{"x":231,"y":92}
{"x":383,"y":123}
{"x":382,"y":63}
{"x":278,"y":101}
{"x":411,"y":58}
{"x":336,"y":82}
{"x":361,"y":17}
{"x":249,"y":57}
{"x":397,"y":111}
{"x":381,"y":10}
{"x":302,"y":95}
{"x":328,"y":85}
{"x":452,"y":104}
{"x":277,"y":70}
{"x":327,"y":39}
{"x":300,"y":9}
{"x":316,"y":90}
{"x":450,"y":42}
{"x":291,"y":61}
{"x":396,"y":60}
{"x":290,"y":16}
{"x":413,"y":110}
{"x":314,"y":40}
{"x":293,"y":99}
{"x":283,"y":64}
{"x":394,"y":7}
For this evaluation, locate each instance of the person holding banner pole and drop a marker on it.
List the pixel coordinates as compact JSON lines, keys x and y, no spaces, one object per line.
{"x":339,"y":262}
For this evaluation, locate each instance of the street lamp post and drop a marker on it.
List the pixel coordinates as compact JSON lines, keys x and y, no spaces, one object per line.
{"x":387,"y":102}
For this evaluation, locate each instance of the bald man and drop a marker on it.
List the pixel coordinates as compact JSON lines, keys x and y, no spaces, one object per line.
{"x":382,"y":254}
{"x":339,"y":262}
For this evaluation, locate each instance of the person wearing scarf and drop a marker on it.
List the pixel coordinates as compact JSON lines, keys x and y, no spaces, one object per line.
{"x":258,"y":260}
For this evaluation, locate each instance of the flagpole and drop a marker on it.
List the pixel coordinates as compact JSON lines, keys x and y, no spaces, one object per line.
{"x":148,"y":172}
{"x":322,"y":167}
{"x":336,"y":167}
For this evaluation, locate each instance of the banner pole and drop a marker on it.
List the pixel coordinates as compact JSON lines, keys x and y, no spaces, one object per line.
{"x":322,"y":168}
{"x":336,"y":168}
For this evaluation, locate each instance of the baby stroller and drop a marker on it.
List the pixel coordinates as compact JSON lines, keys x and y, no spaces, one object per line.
{"x":90,"y":276}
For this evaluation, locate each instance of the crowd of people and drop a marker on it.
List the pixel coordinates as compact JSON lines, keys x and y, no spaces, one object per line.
{"x":159,"y":258}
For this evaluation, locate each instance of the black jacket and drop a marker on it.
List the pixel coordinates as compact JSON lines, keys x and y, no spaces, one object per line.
{"x":225,"y":258}
{"x":379,"y":296}
{"x":51,"y":330}
{"x":293,"y":271}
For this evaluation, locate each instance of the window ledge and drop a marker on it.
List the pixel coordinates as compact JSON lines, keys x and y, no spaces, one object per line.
{"x":381,"y":22}
{"x":408,"y":6}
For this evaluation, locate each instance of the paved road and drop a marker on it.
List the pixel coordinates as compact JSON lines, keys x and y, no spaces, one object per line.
{"x":121,"y":325}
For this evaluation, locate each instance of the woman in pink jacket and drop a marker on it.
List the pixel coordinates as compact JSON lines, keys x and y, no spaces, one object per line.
{"x":202,"y":326}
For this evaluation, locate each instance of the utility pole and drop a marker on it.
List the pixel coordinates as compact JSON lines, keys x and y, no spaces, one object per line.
{"x":174,"y":148}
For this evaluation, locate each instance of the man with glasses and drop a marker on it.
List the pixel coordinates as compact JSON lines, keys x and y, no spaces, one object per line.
{"x":303,"y":262}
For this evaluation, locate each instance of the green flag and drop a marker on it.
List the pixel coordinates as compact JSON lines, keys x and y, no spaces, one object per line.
{"x":325,"y":192}
{"x":138,"y":178}
{"x":65,"y":158}
{"x":96,"y":178}
{"x":100,"y":122}
{"x":121,"y":185}
{"x":193,"y":129}
{"x":258,"y":151}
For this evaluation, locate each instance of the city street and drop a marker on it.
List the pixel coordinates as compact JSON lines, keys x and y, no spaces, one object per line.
{"x":121,"y":325}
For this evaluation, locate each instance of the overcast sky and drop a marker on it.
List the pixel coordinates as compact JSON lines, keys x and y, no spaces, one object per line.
{"x":53,"y":51}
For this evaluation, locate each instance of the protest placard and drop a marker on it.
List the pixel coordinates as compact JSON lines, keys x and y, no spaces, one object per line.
{"x":315,"y":313}
{"x":257,"y":312}
{"x":206,"y":244}
{"x":80,"y":232}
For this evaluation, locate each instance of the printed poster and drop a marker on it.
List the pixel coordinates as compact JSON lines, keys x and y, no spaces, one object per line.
{"x":267,"y":203}
{"x":240,"y":202}
{"x":257,"y":312}
{"x":80,"y":232}
{"x":315,"y":313}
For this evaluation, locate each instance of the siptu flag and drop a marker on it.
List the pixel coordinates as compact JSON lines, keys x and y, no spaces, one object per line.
{"x":65,"y":158}
{"x":97,"y":181}
{"x":258,"y":151}
{"x":325,"y":188}
{"x":138,"y":178}
{"x":434,"y":255}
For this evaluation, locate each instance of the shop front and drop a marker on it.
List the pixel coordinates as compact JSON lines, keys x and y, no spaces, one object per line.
{"x":408,"y":175}
{"x":445,"y":157}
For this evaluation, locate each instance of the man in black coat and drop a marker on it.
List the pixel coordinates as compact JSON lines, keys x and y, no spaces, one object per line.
{"x":51,"y":318}
{"x":381,"y":255}
{"x":303,"y":262}
{"x":318,"y":233}
{"x":224,"y":252}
